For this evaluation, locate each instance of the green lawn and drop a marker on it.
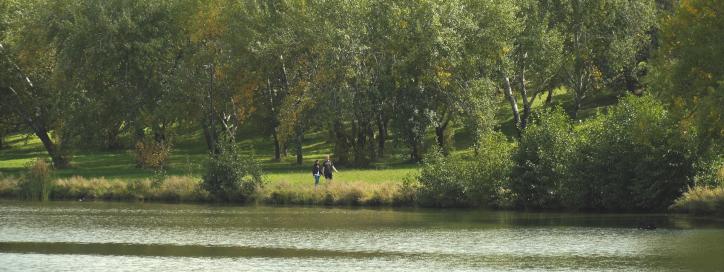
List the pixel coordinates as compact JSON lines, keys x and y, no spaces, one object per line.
{"x":189,"y":153}
{"x":188,"y":158}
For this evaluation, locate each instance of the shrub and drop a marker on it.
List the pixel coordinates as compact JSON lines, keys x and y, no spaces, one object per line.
{"x":441,"y":180}
{"x":710,"y":171}
{"x":631,"y":158}
{"x":447,"y":181}
{"x":541,"y":161}
{"x":490,"y":170}
{"x":701,"y":200}
{"x":152,"y":154}
{"x":35,"y":184}
{"x":232,"y":175}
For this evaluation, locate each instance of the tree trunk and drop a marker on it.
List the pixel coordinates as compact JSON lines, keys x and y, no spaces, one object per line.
{"x":576,"y":105}
{"x":511,"y":99}
{"x":524,"y":95}
{"x":381,"y":136}
{"x":112,"y":141}
{"x":549,"y":98}
{"x":371,"y":146}
{"x":277,"y":147}
{"x":341,"y":145}
{"x":526,"y":116}
{"x":440,"y":132}
{"x":300,"y":140}
{"x":415,"y":153}
{"x":59,"y":161}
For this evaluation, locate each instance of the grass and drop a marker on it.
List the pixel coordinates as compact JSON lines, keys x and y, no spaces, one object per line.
{"x":188,"y":158}
{"x":95,"y":167}
{"x":188,"y":189}
{"x":701,"y":201}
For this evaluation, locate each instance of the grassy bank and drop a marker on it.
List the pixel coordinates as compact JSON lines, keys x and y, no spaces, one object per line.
{"x":701,"y":201}
{"x":188,"y":189}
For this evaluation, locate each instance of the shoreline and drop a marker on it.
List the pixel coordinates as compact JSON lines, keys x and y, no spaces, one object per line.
{"x":360,"y":194}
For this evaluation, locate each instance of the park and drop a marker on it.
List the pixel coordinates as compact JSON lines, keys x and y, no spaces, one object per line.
{"x":158,"y":128}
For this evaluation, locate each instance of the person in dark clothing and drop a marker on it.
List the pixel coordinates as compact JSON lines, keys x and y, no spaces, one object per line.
{"x":316,"y":172}
{"x":327,"y":168}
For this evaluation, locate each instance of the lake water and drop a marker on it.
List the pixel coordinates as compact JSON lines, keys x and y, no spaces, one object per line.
{"x":96,"y":236}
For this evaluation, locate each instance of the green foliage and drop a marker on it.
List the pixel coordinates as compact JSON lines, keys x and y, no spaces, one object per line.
{"x":442,"y":180}
{"x":631,"y":158}
{"x":232,"y":175}
{"x":541,"y":161}
{"x":701,"y":200}
{"x":36,"y":184}
{"x":710,"y":172}
{"x":687,"y":68}
{"x":454,"y":182}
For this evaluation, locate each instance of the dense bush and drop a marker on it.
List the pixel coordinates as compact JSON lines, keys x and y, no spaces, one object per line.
{"x":232,"y":175}
{"x":152,"y":154}
{"x":35,"y":183}
{"x":541,"y":161}
{"x":701,"y":200}
{"x":631,"y":158}
{"x":449,"y":181}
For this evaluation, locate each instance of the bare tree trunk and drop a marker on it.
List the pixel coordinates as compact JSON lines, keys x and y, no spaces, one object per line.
{"x":513,"y":103}
{"x":524,"y":95}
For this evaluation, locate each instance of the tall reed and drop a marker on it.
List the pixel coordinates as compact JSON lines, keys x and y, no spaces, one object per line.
{"x":35,"y":184}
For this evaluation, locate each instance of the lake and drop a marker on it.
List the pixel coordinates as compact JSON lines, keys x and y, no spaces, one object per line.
{"x":99,"y":236}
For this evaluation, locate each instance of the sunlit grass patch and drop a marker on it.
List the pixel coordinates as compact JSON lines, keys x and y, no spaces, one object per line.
{"x":701,"y":200}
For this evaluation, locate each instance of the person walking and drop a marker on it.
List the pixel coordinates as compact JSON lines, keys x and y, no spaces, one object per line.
{"x":327,"y":168}
{"x":316,"y":172}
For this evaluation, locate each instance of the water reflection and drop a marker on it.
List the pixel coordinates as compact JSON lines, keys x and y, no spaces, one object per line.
{"x":286,"y":238}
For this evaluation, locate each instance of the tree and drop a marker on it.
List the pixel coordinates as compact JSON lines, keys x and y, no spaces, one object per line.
{"x":119,"y":55}
{"x":601,"y":41}
{"x":537,"y":57}
{"x":687,"y":70}
{"x":28,"y":75}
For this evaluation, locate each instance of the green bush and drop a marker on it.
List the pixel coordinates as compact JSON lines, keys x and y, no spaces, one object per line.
{"x":541,"y":162}
{"x":701,"y":200}
{"x":631,"y":158}
{"x":36,"y":184}
{"x":442,"y":181}
{"x":447,"y":181}
{"x":232,"y":175}
{"x":710,"y":171}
